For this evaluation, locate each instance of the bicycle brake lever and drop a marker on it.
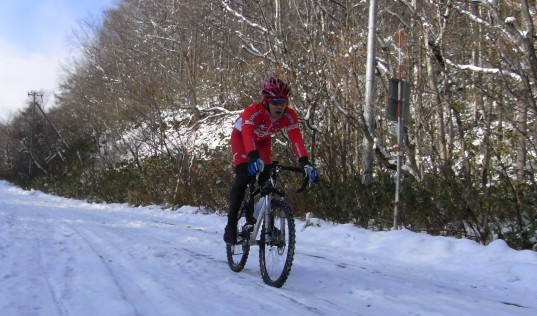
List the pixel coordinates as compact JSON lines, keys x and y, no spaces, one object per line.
{"x":304,"y":184}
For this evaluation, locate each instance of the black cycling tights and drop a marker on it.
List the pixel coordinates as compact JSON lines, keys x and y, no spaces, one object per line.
{"x":236,"y":194}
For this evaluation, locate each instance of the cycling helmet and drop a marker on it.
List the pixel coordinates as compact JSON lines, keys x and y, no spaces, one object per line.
{"x":275,"y":88}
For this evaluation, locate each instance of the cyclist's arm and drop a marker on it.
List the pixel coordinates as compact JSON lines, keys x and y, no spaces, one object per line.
{"x":295,"y":135}
{"x":248,"y":128}
{"x":248,"y":138}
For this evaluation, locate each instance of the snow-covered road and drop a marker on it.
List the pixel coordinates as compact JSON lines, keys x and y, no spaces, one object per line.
{"x":66,"y":257}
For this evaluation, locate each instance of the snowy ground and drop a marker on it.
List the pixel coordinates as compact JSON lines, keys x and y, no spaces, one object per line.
{"x":68,"y":257}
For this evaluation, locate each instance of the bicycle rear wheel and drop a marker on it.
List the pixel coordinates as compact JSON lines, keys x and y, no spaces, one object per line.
{"x":276,"y":254}
{"x":237,"y":254}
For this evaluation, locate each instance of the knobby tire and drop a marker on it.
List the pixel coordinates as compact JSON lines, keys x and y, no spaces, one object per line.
{"x":276,"y":255}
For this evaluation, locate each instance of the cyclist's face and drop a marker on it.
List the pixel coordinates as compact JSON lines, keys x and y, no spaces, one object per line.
{"x":277,"y":109}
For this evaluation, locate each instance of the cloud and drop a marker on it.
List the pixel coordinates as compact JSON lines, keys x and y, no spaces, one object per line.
{"x":23,"y":72}
{"x":34,"y":40}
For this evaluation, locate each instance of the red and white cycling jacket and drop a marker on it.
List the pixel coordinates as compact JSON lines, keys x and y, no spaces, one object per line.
{"x":253,"y":130}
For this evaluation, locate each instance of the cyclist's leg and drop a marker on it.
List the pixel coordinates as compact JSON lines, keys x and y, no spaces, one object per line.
{"x":236,"y":195}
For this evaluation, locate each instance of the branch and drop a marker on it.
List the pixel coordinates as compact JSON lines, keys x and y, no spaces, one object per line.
{"x":484,"y":70}
{"x":241,"y":17}
{"x":252,"y":50}
{"x":33,"y":158}
{"x":511,"y":35}
{"x":399,"y":17}
{"x":220,"y":109}
{"x":409,"y":6}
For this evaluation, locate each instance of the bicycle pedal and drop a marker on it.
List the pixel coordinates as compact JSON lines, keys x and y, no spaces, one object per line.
{"x":248,"y":228}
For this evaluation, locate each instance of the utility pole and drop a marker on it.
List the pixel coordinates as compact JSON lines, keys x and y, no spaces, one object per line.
{"x":398,"y":111}
{"x":33,"y":94}
{"x":367,"y":155}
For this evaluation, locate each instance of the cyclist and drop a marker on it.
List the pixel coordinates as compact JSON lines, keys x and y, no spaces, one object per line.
{"x":251,"y":144}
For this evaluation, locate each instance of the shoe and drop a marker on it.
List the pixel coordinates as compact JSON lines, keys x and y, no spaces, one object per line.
{"x":246,"y":230}
{"x":230,"y":234}
{"x":249,"y":226}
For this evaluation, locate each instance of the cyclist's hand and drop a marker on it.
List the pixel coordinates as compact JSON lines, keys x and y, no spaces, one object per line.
{"x":309,"y":170}
{"x":311,"y":173}
{"x":255,"y":167}
{"x":256,"y":164}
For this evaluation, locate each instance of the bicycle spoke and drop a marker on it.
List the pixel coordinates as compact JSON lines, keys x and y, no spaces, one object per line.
{"x":276,"y":254}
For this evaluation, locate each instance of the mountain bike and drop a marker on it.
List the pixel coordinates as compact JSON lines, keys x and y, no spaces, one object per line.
{"x":273,"y":230}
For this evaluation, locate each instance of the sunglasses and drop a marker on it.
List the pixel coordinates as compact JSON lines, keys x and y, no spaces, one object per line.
{"x":278,"y":101}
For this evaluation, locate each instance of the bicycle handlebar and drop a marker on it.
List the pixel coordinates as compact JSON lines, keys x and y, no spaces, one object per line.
{"x":297,"y":170}
{"x":277,"y":166}
{"x":301,"y":171}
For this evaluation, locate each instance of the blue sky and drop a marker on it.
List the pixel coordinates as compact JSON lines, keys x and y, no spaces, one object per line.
{"x":34,"y":42}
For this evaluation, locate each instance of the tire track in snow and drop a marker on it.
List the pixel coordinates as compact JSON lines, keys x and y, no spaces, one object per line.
{"x":132,"y":266}
{"x":198,"y":262}
{"x":83,"y":266}
{"x":118,"y":269}
{"x":21,"y":253}
{"x":110,"y":271}
{"x":50,"y":283}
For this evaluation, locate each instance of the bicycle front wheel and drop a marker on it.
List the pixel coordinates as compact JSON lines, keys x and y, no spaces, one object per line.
{"x":277,"y":248}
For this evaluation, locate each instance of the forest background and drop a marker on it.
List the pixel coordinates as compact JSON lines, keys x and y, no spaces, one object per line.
{"x":143,"y":116}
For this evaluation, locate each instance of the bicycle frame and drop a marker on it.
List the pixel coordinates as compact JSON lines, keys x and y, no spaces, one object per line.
{"x":269,"y":192}
{"x":265,"y":211}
